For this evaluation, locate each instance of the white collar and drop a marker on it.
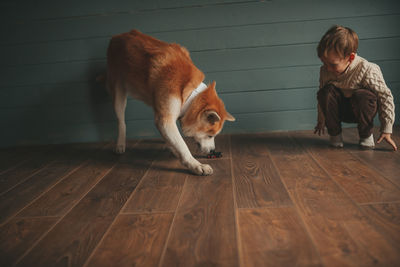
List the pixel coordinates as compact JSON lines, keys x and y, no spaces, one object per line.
{"x":192,"y":96}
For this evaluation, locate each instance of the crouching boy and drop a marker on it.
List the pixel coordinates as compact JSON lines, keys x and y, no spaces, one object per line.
{"x":351,"y":90}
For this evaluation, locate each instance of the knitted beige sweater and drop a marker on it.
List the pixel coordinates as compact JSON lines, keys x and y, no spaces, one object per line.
{"x":362,"y":74}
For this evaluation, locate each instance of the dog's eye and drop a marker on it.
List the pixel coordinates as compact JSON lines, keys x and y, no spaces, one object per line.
{"x":210,"y":136}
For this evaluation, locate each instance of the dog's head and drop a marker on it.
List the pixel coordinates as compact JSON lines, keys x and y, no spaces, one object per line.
{"x":205,"y":118}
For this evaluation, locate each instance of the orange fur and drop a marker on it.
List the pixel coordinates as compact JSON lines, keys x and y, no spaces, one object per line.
{"x":163,"y":76}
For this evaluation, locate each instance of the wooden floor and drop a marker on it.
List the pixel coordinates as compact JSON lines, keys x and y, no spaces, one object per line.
{"x":275,"y":199}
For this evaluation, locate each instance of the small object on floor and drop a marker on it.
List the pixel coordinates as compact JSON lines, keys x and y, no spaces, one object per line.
{"x":213,"y":154}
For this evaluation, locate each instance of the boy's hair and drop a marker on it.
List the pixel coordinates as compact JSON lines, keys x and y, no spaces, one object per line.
{"x":342,"y":40}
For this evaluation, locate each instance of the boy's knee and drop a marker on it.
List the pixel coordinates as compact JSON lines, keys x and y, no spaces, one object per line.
{"x":365,"y":98}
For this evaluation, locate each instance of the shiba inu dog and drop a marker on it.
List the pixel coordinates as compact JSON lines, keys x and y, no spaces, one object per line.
{"x":164,"y":77}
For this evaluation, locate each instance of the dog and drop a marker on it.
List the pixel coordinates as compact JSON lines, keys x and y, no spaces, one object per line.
{"x":163,"y":76}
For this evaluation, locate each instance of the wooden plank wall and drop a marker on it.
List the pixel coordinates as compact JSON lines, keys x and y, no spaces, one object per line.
{"x":261,"y":53}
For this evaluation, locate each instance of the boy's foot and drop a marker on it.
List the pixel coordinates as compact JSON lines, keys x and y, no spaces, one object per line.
{"x":367,"y":143}
{"x":336,"y":140}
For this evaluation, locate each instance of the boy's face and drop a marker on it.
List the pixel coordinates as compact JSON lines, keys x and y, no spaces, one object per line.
{"x":336,"y":64}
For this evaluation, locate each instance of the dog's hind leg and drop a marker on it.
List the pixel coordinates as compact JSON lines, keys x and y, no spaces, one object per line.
{"x":119,"y":97}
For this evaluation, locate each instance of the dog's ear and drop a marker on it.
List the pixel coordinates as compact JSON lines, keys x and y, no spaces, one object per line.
{"x":229,"y":117}
{"x":211,"y":116}
{"x":213,"y":84}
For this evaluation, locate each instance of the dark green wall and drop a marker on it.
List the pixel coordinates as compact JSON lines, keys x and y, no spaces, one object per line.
{"x":261,"y":53}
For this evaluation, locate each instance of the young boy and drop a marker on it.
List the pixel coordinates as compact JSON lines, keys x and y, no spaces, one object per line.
{"x":351,"y":90}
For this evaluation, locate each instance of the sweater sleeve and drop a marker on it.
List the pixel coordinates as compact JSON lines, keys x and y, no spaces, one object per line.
{"x":374,"y":81}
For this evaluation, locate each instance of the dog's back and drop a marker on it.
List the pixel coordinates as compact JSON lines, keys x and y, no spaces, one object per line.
{"x":148,"y":67}
{"x":164,"y":77}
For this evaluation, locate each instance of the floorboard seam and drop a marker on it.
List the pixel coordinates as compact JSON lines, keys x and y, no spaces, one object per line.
{"x":61,"y":218}
{"x":44,"y":192}
{"x":28,"y":176}
{"x":374,"y":168}
{"x":235,"y":209}
{"x":119,"y":213}
{"x":358,"y":206}
{"x":164,"y":250}
{"x":26,"y":159}
{"x":334,"y":180}
{"x":268,"y":207}
{"x":146,"y":212}
{"x":298,"y":213}
{"x":10,"y":168}
{"x":326,"y":172}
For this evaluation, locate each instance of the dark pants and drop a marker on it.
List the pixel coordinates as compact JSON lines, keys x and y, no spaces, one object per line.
{"x":360,"y":108}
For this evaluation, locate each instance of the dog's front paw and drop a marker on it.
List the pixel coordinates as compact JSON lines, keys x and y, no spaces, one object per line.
{"x":203,"y":169}
{"x":119,"y":149}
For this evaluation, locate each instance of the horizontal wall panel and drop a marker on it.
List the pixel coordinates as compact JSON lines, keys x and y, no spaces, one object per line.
{"x":208,"y":61}
{"x":390,"y":70}
{"x":191,"y":18}
{"x":52,"y":95}
{"x":395,"y":88}
{"x":69,"y":72}
{"x":206,"y":39}
{"x":283,"y":56}
{"x":72,"y":114}
{"x":95,"y":93}
{"x":280,"y":100}
{"x":266,"y":79}
{"x":283,"y":78}
{"x":272,"y":121}
{"x":54,"y":52}
{"x":75,"y":8}
{"x":227,"y":82}
{"x":283,"y":33}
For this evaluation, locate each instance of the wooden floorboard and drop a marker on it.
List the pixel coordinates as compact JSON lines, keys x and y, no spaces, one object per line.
{"x":19,"y":234}
{"x":361,"y":182}
{"x":275,"y":199}
{"x":203,"y":233}
{"x":275,"y":237}
{"x":133,"y":240}
{"x":10,"y":158}
{"x":386,"y":217}
{"x":160,"y":189}
{"x":73,"y":239}
{"x":21,"y":195}
{"x":26,"y":166}
{"x":257,"y":183}
{"x":383,"y":159}
{"x":329,"y":213}
{"x":58,"y":200}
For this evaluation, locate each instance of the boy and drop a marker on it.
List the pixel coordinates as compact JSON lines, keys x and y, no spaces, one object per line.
{"x":351,"y":90}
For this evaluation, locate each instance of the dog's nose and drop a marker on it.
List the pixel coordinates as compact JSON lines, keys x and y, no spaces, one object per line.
{"x":206,"y":150}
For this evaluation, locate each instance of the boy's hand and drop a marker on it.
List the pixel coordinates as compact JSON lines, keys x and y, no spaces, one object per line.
{"x":320,"y":128}
{"x":388,"y":138}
